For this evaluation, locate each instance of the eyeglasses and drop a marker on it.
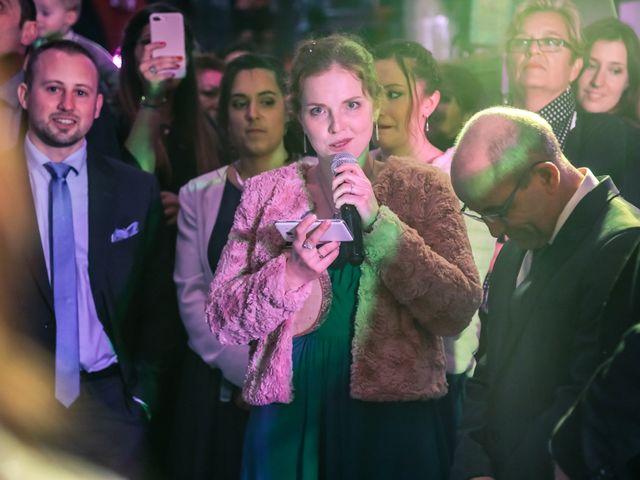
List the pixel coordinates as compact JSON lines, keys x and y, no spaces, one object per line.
{"x":546,"y":45}
{"x":500,"y":213}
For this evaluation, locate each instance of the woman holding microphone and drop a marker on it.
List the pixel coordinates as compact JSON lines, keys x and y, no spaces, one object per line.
{"x":345,"y":359}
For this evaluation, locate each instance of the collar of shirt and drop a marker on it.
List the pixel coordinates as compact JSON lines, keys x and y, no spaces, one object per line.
{"x":560,"y":113}
{"x":70,"y":35}
{"x":589,"y":182}
{"x":9,"y":90}
{"x":36,"y":159}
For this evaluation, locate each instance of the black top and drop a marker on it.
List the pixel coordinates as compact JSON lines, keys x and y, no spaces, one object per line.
{"x":228,"y":204}
{"x":180,"y":151}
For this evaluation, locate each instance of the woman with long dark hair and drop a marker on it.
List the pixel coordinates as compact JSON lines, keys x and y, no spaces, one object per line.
{"x":411,"y":80}
{"x":252,"y":114}
{"x":610,"y":79}
{"x":164,"y":131}
{"x":163,"y":126}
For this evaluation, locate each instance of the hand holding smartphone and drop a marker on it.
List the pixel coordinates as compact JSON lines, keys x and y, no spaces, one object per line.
{"x":168,"y":27}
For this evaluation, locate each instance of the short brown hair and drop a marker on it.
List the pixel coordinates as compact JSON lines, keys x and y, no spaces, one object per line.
{"x":316,"y":56}
{"x":27,"y":11}
{"x":67,"y":46}
{"x":207,"y":61}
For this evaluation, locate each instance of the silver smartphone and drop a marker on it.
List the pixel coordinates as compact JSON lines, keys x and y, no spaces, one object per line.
{"x":337,"y":232}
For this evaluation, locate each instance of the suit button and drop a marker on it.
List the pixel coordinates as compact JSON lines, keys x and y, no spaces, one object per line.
{"x":47,"y":325}
{"x":603,"y":474}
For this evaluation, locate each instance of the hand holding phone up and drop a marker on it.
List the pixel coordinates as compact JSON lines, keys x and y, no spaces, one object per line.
{"x":163,"y":59}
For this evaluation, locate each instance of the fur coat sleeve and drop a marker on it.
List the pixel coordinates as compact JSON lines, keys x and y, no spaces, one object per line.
{"x":420,"y":249}
{"x":248,"y":298}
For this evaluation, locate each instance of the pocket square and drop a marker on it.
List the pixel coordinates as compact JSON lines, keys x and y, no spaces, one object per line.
{"x":120,"y":234}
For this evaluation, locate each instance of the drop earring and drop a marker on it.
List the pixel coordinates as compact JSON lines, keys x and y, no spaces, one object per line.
{"x":376,"y":132}
{"x":426,"y":126}
{"x":304,"y":143}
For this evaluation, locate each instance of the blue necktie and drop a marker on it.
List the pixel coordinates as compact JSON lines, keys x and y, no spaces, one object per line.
{"x":63,"y":281}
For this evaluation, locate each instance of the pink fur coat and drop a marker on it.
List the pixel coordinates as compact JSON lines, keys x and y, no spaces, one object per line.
{"x":418,"y":282}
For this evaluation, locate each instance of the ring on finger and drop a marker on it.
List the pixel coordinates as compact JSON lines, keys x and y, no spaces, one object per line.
{"x":351,"y":188}
{"x":153,"y":69}
{"x":308,"y":246}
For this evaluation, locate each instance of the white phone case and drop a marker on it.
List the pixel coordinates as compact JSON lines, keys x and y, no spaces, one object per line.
{"x":169,"y":28}
{"x":337,"y":232}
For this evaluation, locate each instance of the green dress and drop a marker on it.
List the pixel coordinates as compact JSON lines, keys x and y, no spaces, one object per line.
{"x":324,"y":433}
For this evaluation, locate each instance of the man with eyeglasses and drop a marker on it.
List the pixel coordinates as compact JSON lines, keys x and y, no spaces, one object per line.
{"x":573,"y":249}
{"x":543,"y":58}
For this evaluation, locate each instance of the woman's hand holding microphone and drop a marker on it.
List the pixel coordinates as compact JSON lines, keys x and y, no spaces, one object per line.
{"x":351,"y":186}
{"x":308,"y":258}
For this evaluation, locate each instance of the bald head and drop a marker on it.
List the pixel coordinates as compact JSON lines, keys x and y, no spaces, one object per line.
{"x":497,"y":144}
{"x":508,"y":168}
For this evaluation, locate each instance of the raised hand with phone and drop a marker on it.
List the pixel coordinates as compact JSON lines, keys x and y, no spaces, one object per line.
{"x":165,"y":130}
{"x":163,"y":59}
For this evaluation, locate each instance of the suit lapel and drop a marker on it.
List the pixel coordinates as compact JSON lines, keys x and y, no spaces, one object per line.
{"x":207,"y":214}
{"x":102,"y":206}
{"x":550,"y":260}
{"x":502,"y":287}
{"x":20,"y":222}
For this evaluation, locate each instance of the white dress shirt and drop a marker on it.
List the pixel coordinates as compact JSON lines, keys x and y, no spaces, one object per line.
{"x":96,"y":352}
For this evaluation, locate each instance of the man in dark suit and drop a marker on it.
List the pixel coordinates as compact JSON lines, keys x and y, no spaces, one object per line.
{"x":573,"y":249}
{"x":81,"y":229}
{"x":599,"y":439}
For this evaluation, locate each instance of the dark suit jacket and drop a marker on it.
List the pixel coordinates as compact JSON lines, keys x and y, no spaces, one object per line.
{"x":600,"y":437}
{"x":128,"y":291}
{"x":608,"y":146}
{"x":545,"y":338}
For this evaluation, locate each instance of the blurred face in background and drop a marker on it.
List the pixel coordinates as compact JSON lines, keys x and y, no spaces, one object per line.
{"x":404,"y":109}
{"x":448,"y":118}
{"x":550,"y":71}
{"x":14,"y":38}
{"x":53,"y":17}
{"x":209,"y":90}
{"x":605,"y":78}
{"x":336,"y":113}
{"x":257,"y":113}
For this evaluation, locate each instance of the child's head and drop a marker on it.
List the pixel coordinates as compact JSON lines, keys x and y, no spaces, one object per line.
{"x":56,"y":17}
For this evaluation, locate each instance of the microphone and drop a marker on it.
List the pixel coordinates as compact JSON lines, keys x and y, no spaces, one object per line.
{"x":354,"y":250}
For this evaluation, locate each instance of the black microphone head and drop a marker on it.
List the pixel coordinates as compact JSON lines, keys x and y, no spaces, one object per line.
{"x":341,"y":158}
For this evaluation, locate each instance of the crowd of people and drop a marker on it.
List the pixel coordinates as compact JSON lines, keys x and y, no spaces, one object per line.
{"x":482,"y":323}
